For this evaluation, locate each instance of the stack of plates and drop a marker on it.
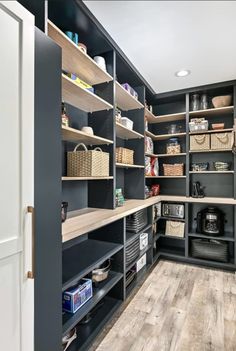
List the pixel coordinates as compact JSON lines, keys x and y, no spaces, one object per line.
{"x":137,"y":221}
{"x":222,"y":166}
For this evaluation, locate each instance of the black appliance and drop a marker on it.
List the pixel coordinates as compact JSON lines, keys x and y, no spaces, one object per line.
{"x":173,"y":210}
{"x":210,"y":221}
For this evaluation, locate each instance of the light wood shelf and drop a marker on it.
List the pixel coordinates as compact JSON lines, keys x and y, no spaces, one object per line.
{"x":172,"y":155}
{"x":212,"y":131}
{"x":124,"y":165}
{"x":165,"y":177}
{"x":75,"y":135}
{"x":86,"y":178}
{"x":166,"y":118}
{"x":89,"y":219}
{"x":124,"y":100}
{"x":76,"y":61}
{"x":150,"y":155}
{"x":205,"y":151}
{"x":212,"y":111}
{"x":165,"y":136}
{"x":150,"y":134}
{"x":81,"y":98}
{"x":126,"y":133}
{"x":211,"y":172}
{"x":149,"y":115}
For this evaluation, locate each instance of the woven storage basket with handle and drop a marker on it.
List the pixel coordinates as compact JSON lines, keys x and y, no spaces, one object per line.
{"x":200,"y":142}
{"x":175,"y":228}
{"x":124,"y":155}
{"x":87,"y":163}
{"x":176,"y":169}
{"x":221,"y":141}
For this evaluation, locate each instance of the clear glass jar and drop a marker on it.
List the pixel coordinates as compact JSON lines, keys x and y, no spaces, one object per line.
{"x":195,"y":102}
{"x":204,"y":102}
{"x":173,"y":146}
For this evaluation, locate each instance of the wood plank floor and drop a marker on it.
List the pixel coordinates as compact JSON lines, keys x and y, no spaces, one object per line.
{"x":178,"y":308}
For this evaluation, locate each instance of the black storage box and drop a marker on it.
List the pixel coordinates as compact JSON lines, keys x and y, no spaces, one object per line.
{"x":212,"y":250}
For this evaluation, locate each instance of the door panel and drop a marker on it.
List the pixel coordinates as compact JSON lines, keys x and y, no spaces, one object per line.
{"x":16,"y":176}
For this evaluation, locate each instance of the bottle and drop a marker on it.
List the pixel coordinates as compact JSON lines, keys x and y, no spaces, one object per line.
{"x":64,"y":117}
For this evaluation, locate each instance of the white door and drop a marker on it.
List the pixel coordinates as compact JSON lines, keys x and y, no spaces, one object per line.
{"x":16,"y":177}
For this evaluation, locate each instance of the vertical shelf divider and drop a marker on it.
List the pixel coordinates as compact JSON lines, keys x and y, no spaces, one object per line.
{"x":187,"y":165}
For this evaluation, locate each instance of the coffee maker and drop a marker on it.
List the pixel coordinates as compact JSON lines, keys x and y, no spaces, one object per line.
{"x":210,"y":221}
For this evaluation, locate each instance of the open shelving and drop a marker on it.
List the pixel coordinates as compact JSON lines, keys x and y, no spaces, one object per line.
{"x":225,"y":237}
{"x":212,"y":112}
{"x":125,"y":101}
{"x":86,"y":178}
{"x":83,"y":99}
{"x":70,"y":320}
{"x":165,"y":136}
{"x":75,"y":60}
{"x":79,"y":260}
{"x":211,"y":172}
{"x":183,"y":176}
{"x":124,"y":165}
{"x":205,"y":151}
{"x":166,"y":118}
{"x":212,"y":131}
{"x":127,"y":134}
{"x":172,"y":155}
{"x":75,"y":136}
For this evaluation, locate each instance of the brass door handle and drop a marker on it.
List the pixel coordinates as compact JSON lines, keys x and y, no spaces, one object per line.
{"x":31,"y":274}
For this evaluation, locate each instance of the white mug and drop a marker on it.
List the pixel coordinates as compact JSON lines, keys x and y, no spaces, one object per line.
{"x":87,"y":130}
{"x":100,"y":61}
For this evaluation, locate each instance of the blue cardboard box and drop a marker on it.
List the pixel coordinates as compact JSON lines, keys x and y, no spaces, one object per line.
{"x":77,"y":296}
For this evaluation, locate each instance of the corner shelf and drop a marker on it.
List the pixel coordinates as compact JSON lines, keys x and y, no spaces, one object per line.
{"x":124,"y":100}
{"x":149,"y":115}
{"x":151,"y":155}
{"x":226,"y":237}
{"x":172,"y":155}
{"x":164,"y":136}
{"x":75,"y":60}
{"x":81,"y":98}
{"x":212,"y":172}
{"x":79,"y":260}
{"x":75,"y":135}
{"x":212,"y":131}
{"x":70,"y":320}
{"x":86,"y":178}
{"x":204,"y":151}
{"x":166,"y":118}
{"x":165,"y":177}
{"x":212,"y":111}
{"x":123,"y":165}
{"x":125,"y":133}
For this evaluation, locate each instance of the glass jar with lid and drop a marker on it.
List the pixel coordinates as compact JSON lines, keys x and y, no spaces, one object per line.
{"x":173,"y":146}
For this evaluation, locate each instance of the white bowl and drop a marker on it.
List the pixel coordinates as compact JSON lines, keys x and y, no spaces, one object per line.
{"x":87,"y":130}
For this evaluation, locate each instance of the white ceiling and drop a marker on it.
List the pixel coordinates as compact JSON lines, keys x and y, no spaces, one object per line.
{"x":162,"y":37}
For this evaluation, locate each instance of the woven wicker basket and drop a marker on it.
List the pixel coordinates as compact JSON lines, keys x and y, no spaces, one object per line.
{"x":176,"y":169}
{"x":87,"y":163}
{"x":200,"y":142}
{"x":221,"y":141}
{"x":175,"y":228}
{"x":124,"y":155}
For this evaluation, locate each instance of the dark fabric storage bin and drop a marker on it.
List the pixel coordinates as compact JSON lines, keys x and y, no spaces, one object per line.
{"x":212,"y":250}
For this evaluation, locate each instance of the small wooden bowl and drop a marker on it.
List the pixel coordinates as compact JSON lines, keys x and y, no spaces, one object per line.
{"x":221,"y":101}
{"x":217,"y":126}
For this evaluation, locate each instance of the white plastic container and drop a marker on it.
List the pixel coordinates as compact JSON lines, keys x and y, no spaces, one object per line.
{"x":126,"y":122}
{"x":141,"y":263}
{"x":143,"y":241}
{"x":198,"y":125}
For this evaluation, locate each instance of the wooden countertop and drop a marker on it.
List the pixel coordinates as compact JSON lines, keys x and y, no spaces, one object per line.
{"x":88,"y":219}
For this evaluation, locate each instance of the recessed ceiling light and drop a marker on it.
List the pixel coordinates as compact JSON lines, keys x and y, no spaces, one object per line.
{"x":182,"y":73}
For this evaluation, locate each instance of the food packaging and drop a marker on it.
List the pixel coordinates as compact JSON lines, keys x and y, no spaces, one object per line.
{"x":155,"y":189}
{"x":130,"y":90}
{"x":80,"y":82}
{"x":149,"y":145}
{"x":76,"y":296}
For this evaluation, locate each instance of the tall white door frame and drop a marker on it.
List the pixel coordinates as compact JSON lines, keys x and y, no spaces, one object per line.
{"x":16,"y":177}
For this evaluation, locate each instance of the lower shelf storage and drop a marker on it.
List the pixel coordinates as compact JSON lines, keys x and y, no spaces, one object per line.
{"x":86,"y":333}
{"x":70,"y":320}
